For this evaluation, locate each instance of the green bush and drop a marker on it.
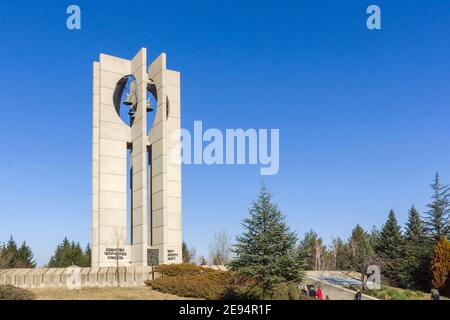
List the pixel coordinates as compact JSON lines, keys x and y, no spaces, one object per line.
{"x":8,"y":292}
{"x":181,"y":270}
{"x":189,"y":280}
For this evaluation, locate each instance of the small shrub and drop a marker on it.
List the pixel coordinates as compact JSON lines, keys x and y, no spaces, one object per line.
{"x":184,"y":269}
{"x":8,"y":292}
{"x":189,"y":280}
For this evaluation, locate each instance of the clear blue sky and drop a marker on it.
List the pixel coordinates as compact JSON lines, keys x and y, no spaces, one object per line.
{"x":363,"y":115}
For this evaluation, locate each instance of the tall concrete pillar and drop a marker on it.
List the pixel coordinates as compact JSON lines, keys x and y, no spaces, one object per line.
{"x":154,"y":168}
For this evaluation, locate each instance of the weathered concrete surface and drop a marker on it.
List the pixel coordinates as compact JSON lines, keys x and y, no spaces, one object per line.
{"x":88,"y":277}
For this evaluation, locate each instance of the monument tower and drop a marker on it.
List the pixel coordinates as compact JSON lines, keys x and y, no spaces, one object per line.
{"x":136,"y":174}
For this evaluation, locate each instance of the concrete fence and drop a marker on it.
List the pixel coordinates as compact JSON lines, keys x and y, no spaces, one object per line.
{"x":84,"y":277}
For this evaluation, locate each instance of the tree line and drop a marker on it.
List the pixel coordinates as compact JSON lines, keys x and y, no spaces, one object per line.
{"x":13,"y":256}
{"x":67,"y":253}
{"x":408,"y":258}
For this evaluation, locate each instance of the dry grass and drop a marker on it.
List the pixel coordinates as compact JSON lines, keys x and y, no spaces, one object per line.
{"x":104,"y":293}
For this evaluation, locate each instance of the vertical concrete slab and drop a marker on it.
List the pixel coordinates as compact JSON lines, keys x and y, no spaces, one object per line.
{"x":95,"y":161}
{"x":111,"y":277}
{"x":3,"y":273}
{"x":10,"y":277}
{"x":129,"y":276}
{"x":38,"y":277}
{"x":93,"y":276}
{"x":84,"y":277}
{"x":56,"y":277}
{"x":29,"y":278}
{"x":110,"y":214}
{"x":47,"y":277}
{"x":122,"y":280}
{"x":165,"y":167}
{"x":102,"y":274}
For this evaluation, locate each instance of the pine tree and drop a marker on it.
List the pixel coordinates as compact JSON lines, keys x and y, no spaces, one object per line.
{"x":360,"y":252}
{"x":307,"y":248}
{"x":440,"y":266}
{"x":437,"y":217}
{"x":67,"y":254}
{"x":414,"y":271}
{"x":24,"y":257}
{"x":87,"y":256}
{"x":186,"y":254}
{"x":11,"y":252}
{"x":266,"y":252}
{"x":389,"y":248}
{"x":374,"y":237}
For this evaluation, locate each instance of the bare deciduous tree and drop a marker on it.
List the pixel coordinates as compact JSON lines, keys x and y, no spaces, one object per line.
{"x":318,"y":254}
{"x":220,"y":248}
{"x":118,"y":240}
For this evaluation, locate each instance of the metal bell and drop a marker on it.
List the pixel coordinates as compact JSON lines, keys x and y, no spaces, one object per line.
{"x":128,"y":100}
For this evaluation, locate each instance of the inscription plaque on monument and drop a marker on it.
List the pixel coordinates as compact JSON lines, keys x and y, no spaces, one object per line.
{"x":171,"y":255}
{"x":115,"y":253}
{"x":152,"y":257}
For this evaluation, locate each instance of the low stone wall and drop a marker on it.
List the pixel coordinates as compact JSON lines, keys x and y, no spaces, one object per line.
{"x":85,"y":277}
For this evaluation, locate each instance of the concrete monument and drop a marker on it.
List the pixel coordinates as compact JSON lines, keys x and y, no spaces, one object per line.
{"x":136,"y":175}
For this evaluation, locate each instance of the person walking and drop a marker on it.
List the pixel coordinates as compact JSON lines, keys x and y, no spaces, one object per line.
{"x":313,"y":293}
{"x":319,"y":293}
{"x":358,"y":295}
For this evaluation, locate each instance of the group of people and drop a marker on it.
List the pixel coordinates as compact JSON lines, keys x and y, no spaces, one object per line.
{"x":313,"y":293}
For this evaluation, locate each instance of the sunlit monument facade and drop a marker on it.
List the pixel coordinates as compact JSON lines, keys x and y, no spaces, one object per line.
{"x":136,"y":164}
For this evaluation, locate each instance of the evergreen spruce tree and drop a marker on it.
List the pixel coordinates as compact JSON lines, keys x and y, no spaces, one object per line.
{"x":389,"y":248}
{"x":87,"y":256}
{"x":24,"y":257}
{"x":414,"y":271}
{"x":306,"y":249}
{"x":266,"y":252}
{"x":67,"y":254}
{"x":186,"y":253}
{"x":437,"y":217}
{"x":374,"y":237}
{"x":11,"y":252}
